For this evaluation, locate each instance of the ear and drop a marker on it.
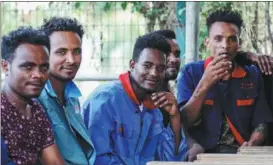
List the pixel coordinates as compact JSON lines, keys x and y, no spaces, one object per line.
{"x":5,"y":66}
{"x":206,"y":42}
{"x":240,"y":43}
{"x":132,"y":64}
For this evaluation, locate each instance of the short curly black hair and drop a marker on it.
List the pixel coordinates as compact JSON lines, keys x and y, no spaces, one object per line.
{"x":224,"y":16}
{"x":169,"y":34}
{"x":62,"y":24}
{"x":154,"y":41}
{"x":22,"y":35}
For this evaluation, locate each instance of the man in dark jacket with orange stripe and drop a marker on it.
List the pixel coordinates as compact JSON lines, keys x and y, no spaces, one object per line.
{"x":223,"y":103}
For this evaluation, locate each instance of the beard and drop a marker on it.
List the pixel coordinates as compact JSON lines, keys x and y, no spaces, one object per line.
{"x":140,"y":87}
{"x":60,"y":77}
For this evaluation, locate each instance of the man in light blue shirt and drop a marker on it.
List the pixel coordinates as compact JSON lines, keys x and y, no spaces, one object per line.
{"x":123,"y":117}
{"x":60,"y":95}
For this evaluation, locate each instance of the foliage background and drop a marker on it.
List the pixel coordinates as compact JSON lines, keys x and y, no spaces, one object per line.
{"x":112,"y":27}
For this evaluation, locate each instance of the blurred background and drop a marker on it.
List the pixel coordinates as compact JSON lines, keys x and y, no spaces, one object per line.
{"x":111,"y":29}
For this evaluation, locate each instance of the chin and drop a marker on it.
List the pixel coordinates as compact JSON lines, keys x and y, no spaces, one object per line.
{"x":171,"y":76}
{"x":33,"y":95}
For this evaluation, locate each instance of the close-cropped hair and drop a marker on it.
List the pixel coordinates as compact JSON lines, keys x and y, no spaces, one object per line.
{"x":62,"y":24}
{"x":224,"y":16}
{"x":29,"y":35}
{"x":154,"y":41}
{"x":169,"y":34}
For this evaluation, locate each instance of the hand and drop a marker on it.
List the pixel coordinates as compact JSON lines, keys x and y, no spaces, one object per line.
{"x":265,"y":62}
{"x":192,"y":153}
{"x":216,"y":70}
{"x":167,"y":101}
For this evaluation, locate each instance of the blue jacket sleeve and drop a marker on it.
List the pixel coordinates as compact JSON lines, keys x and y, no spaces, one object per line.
{"x":262,"y":113}
{"x":4,"y":154}
{"x":166,"y":147}
{"x":185,"y":87}
{"x":99,"y":123}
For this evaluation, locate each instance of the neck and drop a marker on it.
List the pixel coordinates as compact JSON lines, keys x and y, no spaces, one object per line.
{"x":16,"y":99}
{"x":58,"y":87}
{"x":165,"y":85}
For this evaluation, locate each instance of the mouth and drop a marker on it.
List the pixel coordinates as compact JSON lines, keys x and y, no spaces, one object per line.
{"x":37,"y":85}
{"x":70,"y":69}
{"x":152,"y":82}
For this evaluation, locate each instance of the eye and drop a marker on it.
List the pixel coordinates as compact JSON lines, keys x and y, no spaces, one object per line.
{"x":218,"y":38}
{"x":233,"y":38}
{"x":161,"y":68}
{"x":77,"y":52}
{"x":44,"y":69}
{"x":27,"y":67}
{"x":147,"y":66}
{"x":61,"y":52}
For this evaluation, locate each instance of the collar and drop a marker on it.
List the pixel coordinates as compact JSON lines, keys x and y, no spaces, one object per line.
{"x":125,"y":81}
{"x":70,"y":91}
{"x":238,"y":71}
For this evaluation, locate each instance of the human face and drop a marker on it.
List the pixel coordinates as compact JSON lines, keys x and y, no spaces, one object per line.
{"x":223,"y":39}
{"x":148,"y":72}
{"x":173,"y":60}
{"x":27,"y":73}
{"x":65,"y":55}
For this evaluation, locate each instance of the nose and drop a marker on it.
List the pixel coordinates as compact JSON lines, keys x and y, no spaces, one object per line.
{"x":153,"y":72}
{"x":173,"y":59}
{"x":225,"y":43}
{"x":70,"y":58}
{"x":37,"y":74}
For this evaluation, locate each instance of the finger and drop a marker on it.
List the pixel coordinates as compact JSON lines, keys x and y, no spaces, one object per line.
{"x":244,"y":144}
{"x":261,"y":64}
{"x":160,"y":100}
{"x":267,"y":64}
{"x":224,"y":64}
{"x":165,"y":103}
{"x":218,"y":59}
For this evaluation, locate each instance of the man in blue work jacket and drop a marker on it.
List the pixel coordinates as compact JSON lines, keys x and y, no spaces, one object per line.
{"x":123,"y":118}
{"x":223,"y":103}
{"x":60,"y":95}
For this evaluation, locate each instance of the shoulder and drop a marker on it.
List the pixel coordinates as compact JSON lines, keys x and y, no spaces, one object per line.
{"x":104,"y":93}
{"x":193,"y":67}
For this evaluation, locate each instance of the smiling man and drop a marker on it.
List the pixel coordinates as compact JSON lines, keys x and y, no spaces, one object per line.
{"x":123,"y":118}
{"x":222,"y":102}
{"x":25,"y":128}
{"x":60,"y":96}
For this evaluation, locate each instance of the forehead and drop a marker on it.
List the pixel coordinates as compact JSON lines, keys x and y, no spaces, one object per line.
{"x":152,"y":55}
{"x":64,"y":39}
{"x":173,"y":43}
{"x":30,"y":52}
{"x":224,"y":29}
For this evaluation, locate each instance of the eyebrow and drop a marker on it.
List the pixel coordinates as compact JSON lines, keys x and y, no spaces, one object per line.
{"x":29,"y":63}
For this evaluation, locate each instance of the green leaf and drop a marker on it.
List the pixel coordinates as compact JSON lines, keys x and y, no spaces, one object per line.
{"x":107,"y":6}
{"x":77,"y":5}
{"x":124,"y":5}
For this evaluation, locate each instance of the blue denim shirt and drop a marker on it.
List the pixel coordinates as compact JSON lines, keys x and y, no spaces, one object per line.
{"x":67,"y":122}
{"x":123,"y":133}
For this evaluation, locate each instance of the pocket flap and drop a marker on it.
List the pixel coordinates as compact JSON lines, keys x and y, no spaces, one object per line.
{"x":245,"y":102}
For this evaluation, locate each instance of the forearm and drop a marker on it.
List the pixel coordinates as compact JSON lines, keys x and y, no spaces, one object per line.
{"x":191,"y":111}
{"x":258,"y":135}
{"x":176,"y":128}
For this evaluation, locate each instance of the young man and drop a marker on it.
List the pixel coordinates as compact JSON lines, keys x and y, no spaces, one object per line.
{"x":223,"y":103}
{"x":60,"y":95}
{"x":25,"y":128}
{"x":172,"y":69}
{"x":129,"y":126}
